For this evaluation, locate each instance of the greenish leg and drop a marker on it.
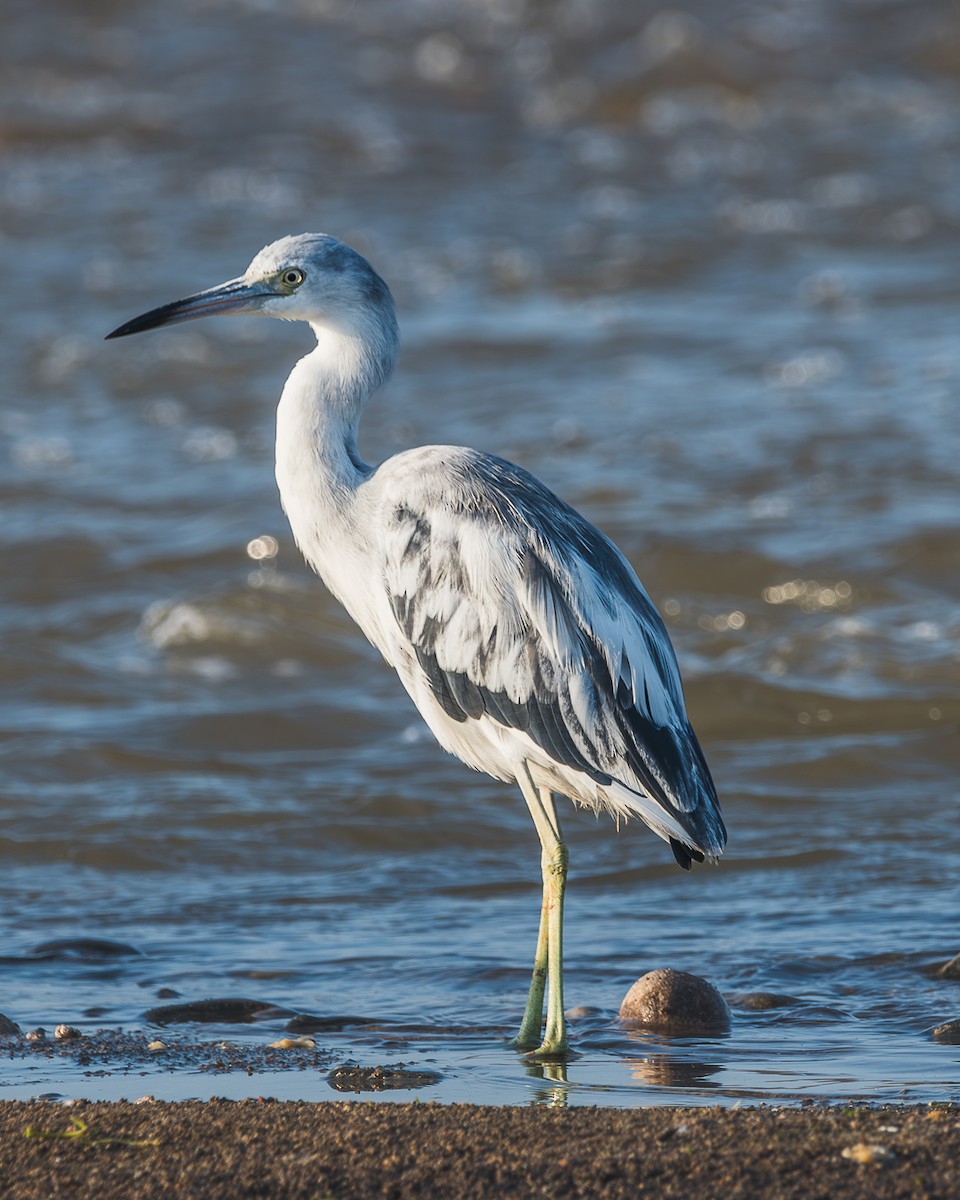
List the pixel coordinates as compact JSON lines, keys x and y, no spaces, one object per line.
{"x":555,"y":1034}
{"x":529,"y":1036}
{"x":548,"y":963}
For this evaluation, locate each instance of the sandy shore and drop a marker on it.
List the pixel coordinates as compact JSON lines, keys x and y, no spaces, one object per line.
{"x":351,"y":1150}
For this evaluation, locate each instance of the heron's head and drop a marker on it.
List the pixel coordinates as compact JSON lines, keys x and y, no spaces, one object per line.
{"x":307,"y":277}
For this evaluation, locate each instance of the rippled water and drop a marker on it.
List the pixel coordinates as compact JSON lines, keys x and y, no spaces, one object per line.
{"x":699,"y":273}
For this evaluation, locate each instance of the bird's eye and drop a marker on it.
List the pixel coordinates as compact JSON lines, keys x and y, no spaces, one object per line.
{"x":292,"y":277}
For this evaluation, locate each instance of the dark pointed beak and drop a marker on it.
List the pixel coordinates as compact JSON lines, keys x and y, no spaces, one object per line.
{"x":237,"y":296}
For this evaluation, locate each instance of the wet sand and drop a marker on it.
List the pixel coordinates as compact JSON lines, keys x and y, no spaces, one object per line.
{"x":340,"y":1150}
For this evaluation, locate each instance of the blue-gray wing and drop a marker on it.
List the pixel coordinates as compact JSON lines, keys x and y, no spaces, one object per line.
{"x":518,"y":609}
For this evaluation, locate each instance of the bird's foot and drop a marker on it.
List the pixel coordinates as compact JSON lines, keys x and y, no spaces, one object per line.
{"x":526,"y":1039}
{"x":551,"y":1054}
{"x":549,"y":1050}
{"x":519,"y":1043}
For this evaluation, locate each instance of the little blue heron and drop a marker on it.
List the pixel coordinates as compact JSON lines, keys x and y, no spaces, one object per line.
{"x":521,"y":632}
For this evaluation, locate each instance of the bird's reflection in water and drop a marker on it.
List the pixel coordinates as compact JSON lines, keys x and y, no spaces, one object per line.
{"x":556,"y":1085}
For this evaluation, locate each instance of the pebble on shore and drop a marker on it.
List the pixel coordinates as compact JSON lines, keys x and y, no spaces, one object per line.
{"x":675,"y":1002}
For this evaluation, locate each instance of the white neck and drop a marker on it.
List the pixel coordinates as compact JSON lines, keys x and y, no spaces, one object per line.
{"x":318,"y":466}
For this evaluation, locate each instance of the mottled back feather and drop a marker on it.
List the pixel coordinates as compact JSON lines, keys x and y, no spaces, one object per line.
{"x":517,"y":608}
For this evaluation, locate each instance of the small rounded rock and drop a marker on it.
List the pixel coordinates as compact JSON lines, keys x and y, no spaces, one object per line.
{"x":675,"y":1002}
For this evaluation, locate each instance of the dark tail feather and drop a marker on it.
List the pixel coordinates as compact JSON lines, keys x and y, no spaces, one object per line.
{"x":685,"y":854}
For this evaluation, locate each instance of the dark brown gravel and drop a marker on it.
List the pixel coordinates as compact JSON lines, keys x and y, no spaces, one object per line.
{"x":347,"y":1151}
